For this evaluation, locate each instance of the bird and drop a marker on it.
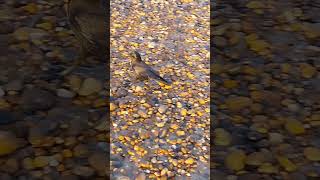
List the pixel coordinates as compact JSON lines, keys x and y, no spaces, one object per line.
{"x":144,"y":71}
{"x":88,"y":19}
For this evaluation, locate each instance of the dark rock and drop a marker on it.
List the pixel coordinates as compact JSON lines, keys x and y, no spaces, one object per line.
{"x":6,"y":117}
{"x":37,"y":99}
{"x":297,"y":176}
{"x":75,"y":117}
{"x":15,"y":85}
{"x":121,"y":92}
{"x":255,"y":136}
{"x":6,"y":28}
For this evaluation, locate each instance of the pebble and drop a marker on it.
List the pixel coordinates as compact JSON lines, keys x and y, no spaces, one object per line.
{"x":141,"y":176}
{"x":162,"y":109}
{"x":143,"y":113}
{"x":189,"y":161}
{"x":28,"y":163}
{"x":122,"y":178}
{"x":15,"y":85}
{"x":307,"y":71}
{"x":53,"y":162}
{"x":46,"y":26}
{"x":220,"y":41}
{"x":37,"y":99}
{"x":11,"y":165}
{"x":103,"y":125}
{"x":80,"y":150}
{"x":312,"y":153}
{"x":75,"y":82}
{"x":31,"y":8}
{"x":222,"y":137}
{"x":235,"y":160}
{"x":26,"y":33}
{"x":160,"y":124}
{"x":294,"y":127}
{"x":268,"y":168}
{"x":113,"y":107}
{"x":67,"y":153}
{"x":180,"y":133}
{"x":89,"y":87}
{"x":255,"y":159}
{"x":64,"y":93}
{"x":8,"y":143}
{"x":40,"y":161}
{"x":138,"y":89}
{"x":98,"y":161}
{"x":275,"y":138}
{"x":230,"y":84}
{"x":287,"y":164}
{"x":238,"y":103}
{"x":78,"y":124}
{"x":83,"y":171}
{"x":183,"y":112}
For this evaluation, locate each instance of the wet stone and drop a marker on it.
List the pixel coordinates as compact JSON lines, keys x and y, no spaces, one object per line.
{"x":37,"y":99}
{"x":65,"y":93}
{"x":15,"y":85}
{"x":98,"y":161}
{"x":9,"y":143}
{"x":83,"y":171}
{"x":90,"y":86}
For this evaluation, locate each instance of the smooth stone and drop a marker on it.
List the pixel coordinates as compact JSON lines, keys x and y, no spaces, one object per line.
{"x":37,"y":99}
{"x":90,"y":86}
{"x":9,"y":143}
{"x":83,"y":171}
{"x":65,"y":93}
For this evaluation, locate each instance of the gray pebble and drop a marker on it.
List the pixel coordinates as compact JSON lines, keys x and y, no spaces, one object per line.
{"x":65,"y":93}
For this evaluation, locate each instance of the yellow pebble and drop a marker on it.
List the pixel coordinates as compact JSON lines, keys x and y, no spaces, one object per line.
{"x":174,"y":162}
{"x":202,"y":102}
{"x":189,"y":161}
{"x":31,"y":8}
{"x":121,"y":138}
{"x":180,"y":133}
{"x":67,"y":153}
{"x":286,"y":163}
{"x":174,"y":126}
{"x":183,"y":112}
{"x":40,"y":161}
{"x":113,"y":106}
{"x":312,"y":153}
{"x":161,"y":124}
